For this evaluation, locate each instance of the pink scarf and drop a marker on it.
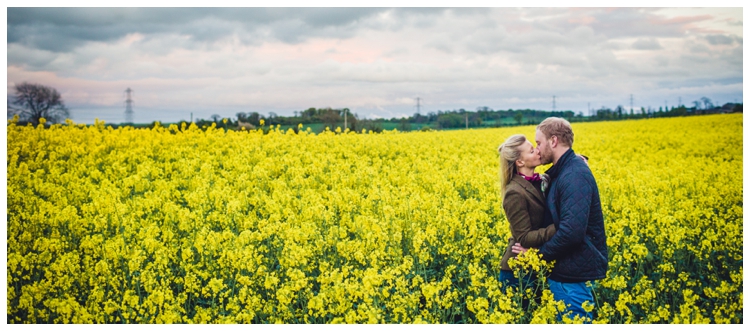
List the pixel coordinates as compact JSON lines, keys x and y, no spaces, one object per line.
{"x":534,"y":178}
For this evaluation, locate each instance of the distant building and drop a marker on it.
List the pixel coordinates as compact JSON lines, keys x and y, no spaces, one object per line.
{"x":725,"y":109}
{"x":731,"y":107}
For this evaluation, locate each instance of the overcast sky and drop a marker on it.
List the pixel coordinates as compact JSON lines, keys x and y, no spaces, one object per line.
{"x":374,"y":61}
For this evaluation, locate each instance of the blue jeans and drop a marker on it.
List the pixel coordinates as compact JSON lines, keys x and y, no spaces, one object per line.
{"x":573,"y":294}
{"x":507,"y":278}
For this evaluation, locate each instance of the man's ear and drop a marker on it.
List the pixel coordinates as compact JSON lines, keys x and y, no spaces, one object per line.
{"x":553,"y":142}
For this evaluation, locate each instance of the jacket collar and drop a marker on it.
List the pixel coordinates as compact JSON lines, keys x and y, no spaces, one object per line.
{"x":554,"y":171}
{"x":528,"y":187}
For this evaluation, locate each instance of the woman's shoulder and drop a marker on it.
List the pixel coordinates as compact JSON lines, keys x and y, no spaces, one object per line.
{"x":514,"y":182}
{"x":514,"y":186}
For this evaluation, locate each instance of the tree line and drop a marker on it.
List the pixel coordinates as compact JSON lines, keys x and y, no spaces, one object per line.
{"x":31,"y":102}
{"x":700,"y":107}
{"x":481,"y":117}
{"x":448,"y":119}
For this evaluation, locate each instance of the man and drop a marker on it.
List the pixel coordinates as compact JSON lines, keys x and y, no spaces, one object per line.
{"x":573,"y":206}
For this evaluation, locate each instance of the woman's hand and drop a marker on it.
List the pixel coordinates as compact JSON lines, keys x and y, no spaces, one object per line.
{"x":518,"y":249}
{"x":584,"y":158}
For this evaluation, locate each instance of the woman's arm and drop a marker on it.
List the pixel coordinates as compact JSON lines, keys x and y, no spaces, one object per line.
{"x":517,"y":212}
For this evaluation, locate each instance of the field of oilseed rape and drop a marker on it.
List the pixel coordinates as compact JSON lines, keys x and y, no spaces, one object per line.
{"x":202,"y":225}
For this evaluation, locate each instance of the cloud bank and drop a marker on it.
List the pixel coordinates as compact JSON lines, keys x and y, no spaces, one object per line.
{"x":375,"y":61}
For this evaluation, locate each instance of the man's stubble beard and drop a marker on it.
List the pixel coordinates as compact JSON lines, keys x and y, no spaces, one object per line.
{"x":547,"y":158}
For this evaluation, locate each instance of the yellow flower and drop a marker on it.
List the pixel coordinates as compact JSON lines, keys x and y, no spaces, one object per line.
{"x":181,"y":225}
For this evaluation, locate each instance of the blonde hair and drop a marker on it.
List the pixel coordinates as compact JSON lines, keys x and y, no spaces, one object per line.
{"x":560,"y":127}
{"x":510,"y":151}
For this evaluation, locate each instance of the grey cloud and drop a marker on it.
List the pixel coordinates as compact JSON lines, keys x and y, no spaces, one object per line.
{"x":699,"y":48}
{"x":94,"y":17}
{"x":326,"y":17}
{"x":735,"y":23}
{"x":58,"y":38}
{"x":460,"y":55}
{"x":720,"y":39}
{"x":442,"y":46}
{"x":427,"y":11}
{"x":294,"y":25}
{"x":519,"y":37}
{"x":485,"y":42}
{"x":34,"y":59}
{"x":64,"y":29}
{"x":617,"y":22}
{"x":628,"y":22}
{"x":98,"y":17}
{"x":396,"y":19}
{"x":662,"y":61}
{"x":297,"y":31}
{"x":647,"y":44}
{"x":585,"y":35}
{"x":734,"y":56}
{"x":396,"y":52}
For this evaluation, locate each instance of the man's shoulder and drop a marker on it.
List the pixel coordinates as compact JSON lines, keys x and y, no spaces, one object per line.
{"x":575,"y":172}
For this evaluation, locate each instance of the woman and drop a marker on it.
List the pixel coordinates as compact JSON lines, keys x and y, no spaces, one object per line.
{"x":523,"y":200}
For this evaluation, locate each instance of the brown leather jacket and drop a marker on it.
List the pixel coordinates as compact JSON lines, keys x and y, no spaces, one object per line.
{"x":524,"y":208}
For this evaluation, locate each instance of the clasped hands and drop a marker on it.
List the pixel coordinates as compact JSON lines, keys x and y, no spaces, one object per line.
{"x":518,"y":249}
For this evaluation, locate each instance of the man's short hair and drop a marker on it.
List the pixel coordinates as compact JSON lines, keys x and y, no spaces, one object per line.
{"x":555,"y":126}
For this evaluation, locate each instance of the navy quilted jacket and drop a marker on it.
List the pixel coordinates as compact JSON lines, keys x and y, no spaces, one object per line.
{"x":580,"y":244}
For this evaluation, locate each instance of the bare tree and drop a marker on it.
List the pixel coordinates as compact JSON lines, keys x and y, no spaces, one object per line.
{"x":34,"y":101}
{"x":697,"y":104}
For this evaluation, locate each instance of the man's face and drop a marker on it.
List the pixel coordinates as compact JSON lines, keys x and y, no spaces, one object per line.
{"x":545,"y":149}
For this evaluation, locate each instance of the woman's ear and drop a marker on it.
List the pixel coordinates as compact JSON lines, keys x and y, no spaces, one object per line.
{"x":519,"y":164}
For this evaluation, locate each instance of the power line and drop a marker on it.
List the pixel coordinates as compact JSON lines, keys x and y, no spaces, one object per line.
{"x":129,"y":107}
{"x":631,"y":103}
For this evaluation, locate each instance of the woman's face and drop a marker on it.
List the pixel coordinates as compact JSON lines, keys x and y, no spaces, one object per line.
{"x":530,"y":157}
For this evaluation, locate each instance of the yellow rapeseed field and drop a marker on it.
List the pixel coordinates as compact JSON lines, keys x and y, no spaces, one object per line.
{"x":202,"y":225}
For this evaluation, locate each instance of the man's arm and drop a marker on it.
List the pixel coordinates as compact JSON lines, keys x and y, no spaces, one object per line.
{"x":575,"y":202}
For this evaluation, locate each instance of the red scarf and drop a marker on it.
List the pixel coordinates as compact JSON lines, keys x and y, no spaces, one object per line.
{"x":534,"y":178}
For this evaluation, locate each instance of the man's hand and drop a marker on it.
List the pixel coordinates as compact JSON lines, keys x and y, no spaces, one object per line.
{"x":518,"y":249}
